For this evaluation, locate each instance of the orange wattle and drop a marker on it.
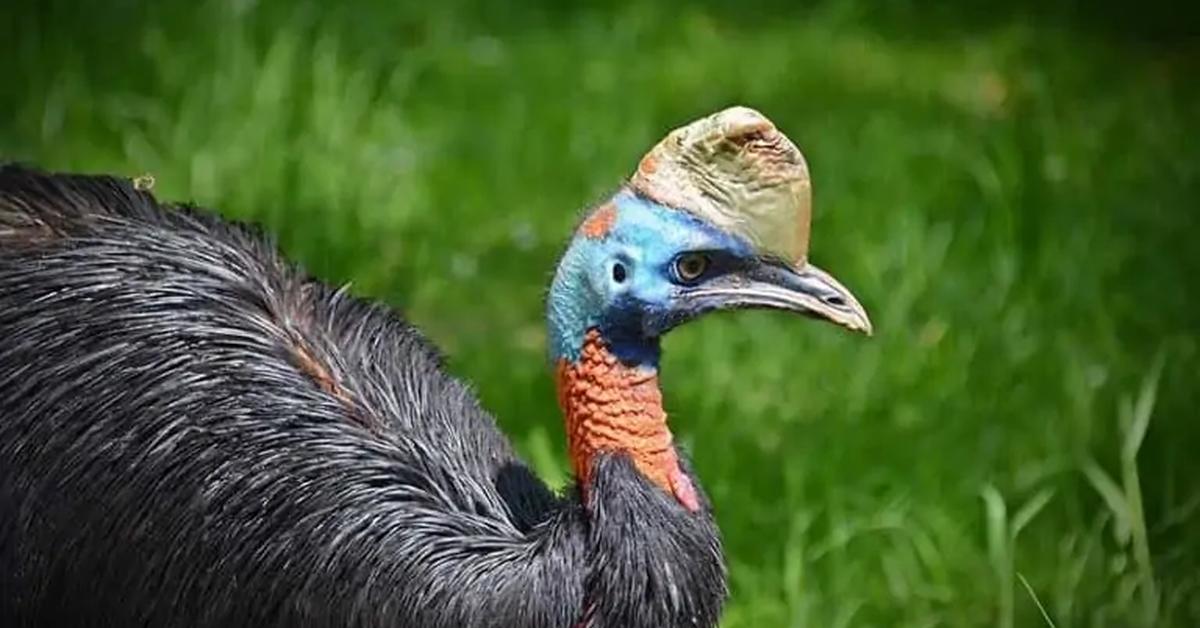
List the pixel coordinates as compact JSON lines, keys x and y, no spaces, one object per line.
{"x":612,"y":406}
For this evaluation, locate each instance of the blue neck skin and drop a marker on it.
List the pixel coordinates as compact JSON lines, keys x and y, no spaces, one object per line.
{"x":644,"y":239}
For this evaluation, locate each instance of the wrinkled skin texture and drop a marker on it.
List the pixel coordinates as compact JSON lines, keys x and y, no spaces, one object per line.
{"x":195,"y":433}
{"x":611,"y":406}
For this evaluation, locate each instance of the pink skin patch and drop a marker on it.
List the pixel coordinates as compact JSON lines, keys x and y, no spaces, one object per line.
{"x":684,"y":490}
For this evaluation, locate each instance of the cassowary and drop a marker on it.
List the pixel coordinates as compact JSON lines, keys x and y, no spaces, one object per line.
{"x":193,"y":432}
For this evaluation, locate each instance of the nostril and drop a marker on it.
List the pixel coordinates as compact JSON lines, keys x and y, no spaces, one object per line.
{"x":836,"y":300}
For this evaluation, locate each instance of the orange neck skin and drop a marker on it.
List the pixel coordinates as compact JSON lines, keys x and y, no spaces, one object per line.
{"x":611,"y":406}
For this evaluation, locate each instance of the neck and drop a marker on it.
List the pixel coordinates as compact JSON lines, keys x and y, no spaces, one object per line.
{"x":616,"y":407}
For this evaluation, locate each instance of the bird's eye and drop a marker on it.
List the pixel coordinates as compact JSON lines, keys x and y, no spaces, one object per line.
{"x":618,"y":272}
{"x":691,"y":266}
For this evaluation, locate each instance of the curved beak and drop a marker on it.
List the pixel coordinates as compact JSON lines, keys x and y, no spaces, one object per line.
{"x":805,"y":290}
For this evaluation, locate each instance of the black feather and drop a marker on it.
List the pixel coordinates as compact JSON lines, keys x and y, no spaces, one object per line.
{"x":195,"y":433}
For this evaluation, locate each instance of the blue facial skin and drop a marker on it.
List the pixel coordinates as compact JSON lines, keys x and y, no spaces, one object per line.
{"x":631,"y":311}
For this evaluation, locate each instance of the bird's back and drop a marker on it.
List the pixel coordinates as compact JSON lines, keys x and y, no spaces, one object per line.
{"x":194,"y":432}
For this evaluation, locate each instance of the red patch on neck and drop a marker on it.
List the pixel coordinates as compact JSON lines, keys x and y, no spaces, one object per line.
{"x":597,"y":225}
{"x":610,"y":406}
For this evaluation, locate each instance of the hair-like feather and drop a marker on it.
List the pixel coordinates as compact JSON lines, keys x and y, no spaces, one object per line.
{"x":193,"y":432}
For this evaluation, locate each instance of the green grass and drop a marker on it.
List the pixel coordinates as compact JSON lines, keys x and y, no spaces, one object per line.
{"x":1014,"y":199}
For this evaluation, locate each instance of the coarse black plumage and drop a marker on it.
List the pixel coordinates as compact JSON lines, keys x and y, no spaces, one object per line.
{"x":195,"y":433}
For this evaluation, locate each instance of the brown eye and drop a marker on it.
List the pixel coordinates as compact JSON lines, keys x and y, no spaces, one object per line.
{"x":689,"y":267}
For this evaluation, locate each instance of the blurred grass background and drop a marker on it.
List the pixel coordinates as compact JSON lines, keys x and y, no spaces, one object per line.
{"x":1011,"y":190}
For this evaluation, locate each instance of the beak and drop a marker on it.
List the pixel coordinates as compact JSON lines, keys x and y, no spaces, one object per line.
{"x":805,"y":290}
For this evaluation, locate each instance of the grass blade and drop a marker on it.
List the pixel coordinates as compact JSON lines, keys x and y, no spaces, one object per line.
{"x":1032,"y":595}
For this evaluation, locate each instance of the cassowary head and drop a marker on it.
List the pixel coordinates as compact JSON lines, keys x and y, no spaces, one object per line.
{"x":715,"y":218}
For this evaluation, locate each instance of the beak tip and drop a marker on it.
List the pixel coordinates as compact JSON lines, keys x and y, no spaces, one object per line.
{"x":865,"y":325}
{"x":862,"y":324}
{"x":846,"y":310}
